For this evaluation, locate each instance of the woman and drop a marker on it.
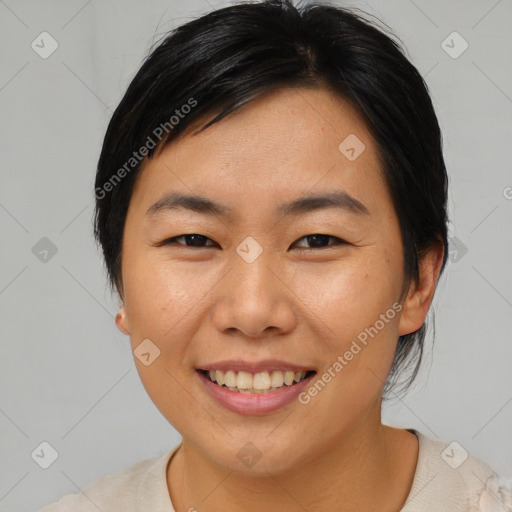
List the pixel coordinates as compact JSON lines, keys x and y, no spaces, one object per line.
{"x":248,"y":137}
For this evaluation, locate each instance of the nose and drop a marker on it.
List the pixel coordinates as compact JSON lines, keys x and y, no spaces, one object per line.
{"x":254,"y":299}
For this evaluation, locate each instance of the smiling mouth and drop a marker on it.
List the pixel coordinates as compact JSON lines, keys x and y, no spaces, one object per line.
{"x":264,"y":382}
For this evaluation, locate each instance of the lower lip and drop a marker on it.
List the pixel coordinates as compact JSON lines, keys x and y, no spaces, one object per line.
{"x":253,"y":403}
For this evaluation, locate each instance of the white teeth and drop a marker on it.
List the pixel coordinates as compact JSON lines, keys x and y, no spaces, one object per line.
{"x":246,"y":382}
{"x":277,"y":379}
{"x":219,"y":377}
{"x":230,"y":379}
{"x":243,"y":380}
{"x":261,"y":381}
{"x":288,"y":378}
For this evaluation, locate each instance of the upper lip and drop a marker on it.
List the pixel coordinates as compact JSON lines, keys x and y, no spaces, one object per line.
{"x":255,"y":367}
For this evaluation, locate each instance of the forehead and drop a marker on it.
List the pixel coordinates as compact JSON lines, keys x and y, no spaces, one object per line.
{"x":283,"y":144}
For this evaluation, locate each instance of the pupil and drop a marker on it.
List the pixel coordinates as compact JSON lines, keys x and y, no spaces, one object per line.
{"x":321,"y":238}
{"x":197,"y":240}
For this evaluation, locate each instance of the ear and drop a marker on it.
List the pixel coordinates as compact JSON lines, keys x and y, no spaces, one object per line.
{"x":122,"y":320}
{"x":420,"y":294}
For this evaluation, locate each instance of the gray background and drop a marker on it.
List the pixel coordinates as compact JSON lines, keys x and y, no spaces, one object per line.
{"x":67,"y":375}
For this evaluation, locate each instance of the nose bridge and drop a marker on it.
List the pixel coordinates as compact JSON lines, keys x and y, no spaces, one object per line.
{"x":252,"y":299}
{"x":252,"y":277}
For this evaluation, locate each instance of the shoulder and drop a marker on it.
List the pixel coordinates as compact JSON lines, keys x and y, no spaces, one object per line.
{"x":448,"y":478}
{"x":144,"y":481}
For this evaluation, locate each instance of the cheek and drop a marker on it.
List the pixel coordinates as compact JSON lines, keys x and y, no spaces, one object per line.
{"x":160,"y":302}
{"x":351,"y":295}
{"x":357,"y":303}
{"x":159,"y":295}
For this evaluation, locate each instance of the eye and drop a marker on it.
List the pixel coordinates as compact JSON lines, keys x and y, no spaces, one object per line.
{"x":319,"y":241}
{"x":195,"y":240}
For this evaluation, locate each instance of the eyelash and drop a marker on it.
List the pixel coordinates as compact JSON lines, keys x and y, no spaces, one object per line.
{"x":169,"y":241}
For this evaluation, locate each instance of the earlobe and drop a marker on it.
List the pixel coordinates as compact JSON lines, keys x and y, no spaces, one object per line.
{"x":122,"y":320}
{"x":420,"y":294}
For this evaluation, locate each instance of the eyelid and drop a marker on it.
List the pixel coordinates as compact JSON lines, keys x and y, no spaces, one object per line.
{"x":172,"y":239}
{"x":338,"y":240}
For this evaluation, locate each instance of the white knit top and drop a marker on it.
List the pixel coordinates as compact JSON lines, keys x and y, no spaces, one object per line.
{"x":444,"y":481}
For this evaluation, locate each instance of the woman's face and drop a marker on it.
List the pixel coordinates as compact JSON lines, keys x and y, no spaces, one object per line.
{"x":257,"y":286}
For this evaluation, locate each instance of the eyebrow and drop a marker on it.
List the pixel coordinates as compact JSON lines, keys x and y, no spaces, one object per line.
{"x":199,"y":204}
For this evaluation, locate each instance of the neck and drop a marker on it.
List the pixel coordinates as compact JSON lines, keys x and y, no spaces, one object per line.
{"x":370,"y":468}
